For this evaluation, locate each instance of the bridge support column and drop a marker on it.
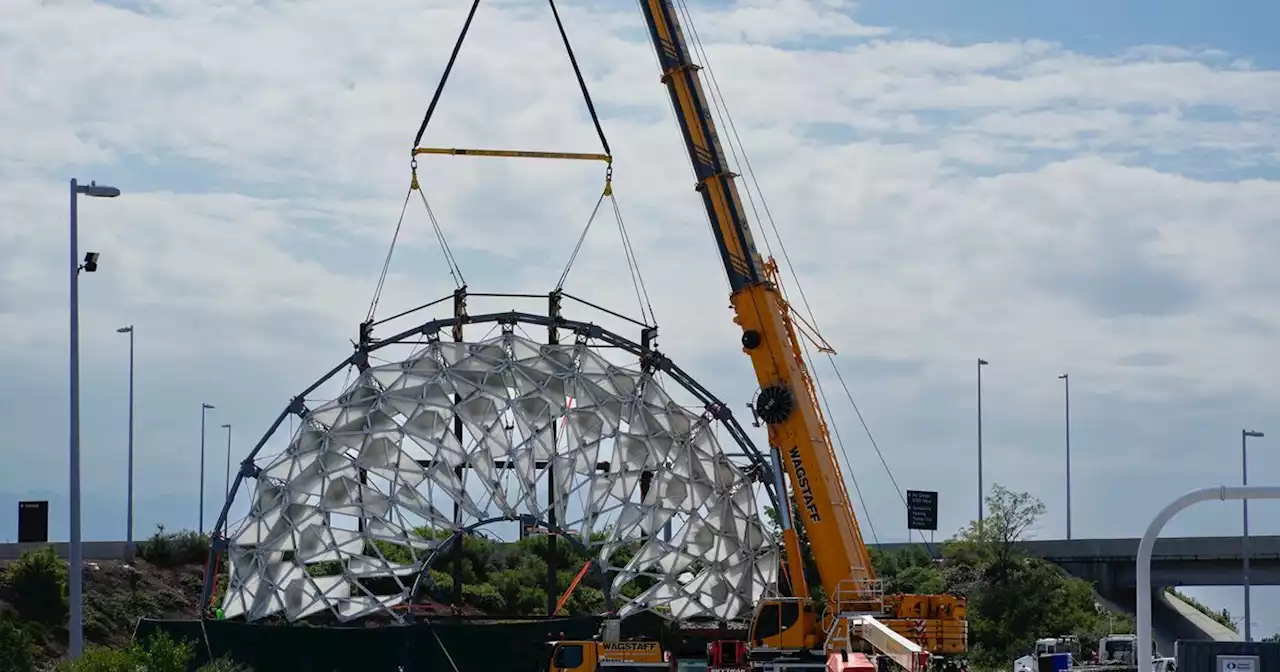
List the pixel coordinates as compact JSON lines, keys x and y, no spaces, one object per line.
{"x":1148,"y":544}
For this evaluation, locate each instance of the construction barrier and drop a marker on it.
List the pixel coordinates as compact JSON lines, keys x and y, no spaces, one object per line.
{"x":473,"y":645}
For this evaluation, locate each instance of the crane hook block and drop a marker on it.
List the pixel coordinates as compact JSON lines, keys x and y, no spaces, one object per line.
{"x":775,"y":404}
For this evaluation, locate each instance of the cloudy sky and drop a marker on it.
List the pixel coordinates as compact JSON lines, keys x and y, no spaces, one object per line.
{"x":1088,"y":187}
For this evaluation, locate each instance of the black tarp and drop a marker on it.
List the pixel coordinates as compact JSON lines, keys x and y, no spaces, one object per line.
{"x":479,"y":646}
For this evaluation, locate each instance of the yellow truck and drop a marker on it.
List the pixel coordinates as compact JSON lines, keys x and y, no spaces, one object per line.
{"x":593,"y":656}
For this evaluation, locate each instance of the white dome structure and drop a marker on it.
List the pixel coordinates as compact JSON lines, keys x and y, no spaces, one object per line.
{"x":623,"y":463}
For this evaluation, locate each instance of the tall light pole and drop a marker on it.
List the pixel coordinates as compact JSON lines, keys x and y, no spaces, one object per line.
{"x":226,"y":489}
{"x":981,"y":505}
{"x":75,"y":585}
{"x":1245,"y":435}
{"x":1066,"y":391}
{"x":128,"y":510}
{"x":204,"y":409}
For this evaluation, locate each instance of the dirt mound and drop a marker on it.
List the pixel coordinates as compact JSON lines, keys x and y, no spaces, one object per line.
{"x":116,"y":595}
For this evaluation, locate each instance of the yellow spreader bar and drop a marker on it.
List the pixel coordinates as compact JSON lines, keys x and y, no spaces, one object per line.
{"x":508,"y":153}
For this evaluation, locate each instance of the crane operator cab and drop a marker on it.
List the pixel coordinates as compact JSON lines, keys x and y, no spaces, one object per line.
{"x":784,"y":624}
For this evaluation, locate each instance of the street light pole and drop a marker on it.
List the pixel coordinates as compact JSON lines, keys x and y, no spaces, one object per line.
{"x":1245,"y":435}
{"x":204,"y":408}
{"x":75,"y":551}
{"x":981,"y":504}
{"x":1066,"y":390}
{"x":128,"y":514}
{"x":226,"y":489}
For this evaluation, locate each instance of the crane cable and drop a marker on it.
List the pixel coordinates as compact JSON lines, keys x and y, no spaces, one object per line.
{"x":637,"y":280}
{"x":633,"y":265}
{"x":455,"y":270}
{"x":386,"y":264}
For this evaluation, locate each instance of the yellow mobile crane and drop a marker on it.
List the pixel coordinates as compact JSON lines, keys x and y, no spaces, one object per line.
{"x":786,"y":633}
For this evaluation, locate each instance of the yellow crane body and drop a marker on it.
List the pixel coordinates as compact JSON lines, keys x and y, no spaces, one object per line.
{"x":787,"y":403}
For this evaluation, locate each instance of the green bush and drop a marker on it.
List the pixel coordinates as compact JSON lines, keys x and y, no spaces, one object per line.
{"x":17,"y":649}
{"x":101,"y":659}
{"x":39,"y":584}
{"x":224,"y":665}
{"x":484,"y":597}
{"x":160,"y":653}
{"x":174,"y":549}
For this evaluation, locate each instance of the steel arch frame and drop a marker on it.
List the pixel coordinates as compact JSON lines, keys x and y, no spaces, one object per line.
{"x":650,"y":358}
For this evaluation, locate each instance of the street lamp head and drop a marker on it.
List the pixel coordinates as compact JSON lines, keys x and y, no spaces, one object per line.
{"x":97,"y":190}
{"x":90,"y":262}
{"x":982,"y":362}
{"x":1253,"y":435}
{"x":1062,"y":377}
{"x":227,"y":426}
{"x":209,"y":406}
{"x":125,"y":330}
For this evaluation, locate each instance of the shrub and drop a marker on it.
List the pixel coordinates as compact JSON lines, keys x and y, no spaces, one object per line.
{"x":100,"y":659}
{"x":39,"y":583}
{"x":224,"y":665}
{"x":174,"y":549}
{"x":484,"y":597}
{"x":17,"y":650}
{"x":160,"y":653}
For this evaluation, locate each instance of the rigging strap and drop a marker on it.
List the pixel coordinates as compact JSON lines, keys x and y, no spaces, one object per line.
{"x":573,"y":61}
{"x":582,"y":83}
{"x":453,"y":56}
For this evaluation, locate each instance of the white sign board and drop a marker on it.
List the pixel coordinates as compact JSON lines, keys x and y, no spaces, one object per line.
{"x":1238,"y":664}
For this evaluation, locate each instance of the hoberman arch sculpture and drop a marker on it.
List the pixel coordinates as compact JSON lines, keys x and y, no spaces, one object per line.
{"x":405,"y":433}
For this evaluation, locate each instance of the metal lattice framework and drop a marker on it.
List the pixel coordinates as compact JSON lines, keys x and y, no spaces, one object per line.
{"x":501,"y":428}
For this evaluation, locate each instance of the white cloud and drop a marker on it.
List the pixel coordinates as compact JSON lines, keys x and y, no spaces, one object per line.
{"x":1041,"y":207}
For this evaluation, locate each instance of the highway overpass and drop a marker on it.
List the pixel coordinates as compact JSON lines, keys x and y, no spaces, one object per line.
{"x":1176,"y":561}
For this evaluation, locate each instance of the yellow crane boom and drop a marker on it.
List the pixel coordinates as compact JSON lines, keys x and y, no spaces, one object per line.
{"x":788,"y":405}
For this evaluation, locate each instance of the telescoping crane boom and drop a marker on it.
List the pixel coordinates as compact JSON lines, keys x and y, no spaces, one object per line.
{"x":900,"y":627}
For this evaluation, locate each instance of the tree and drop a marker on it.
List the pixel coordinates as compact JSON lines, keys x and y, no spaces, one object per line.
{"x":1010,"y":515}
{"x":910,"y":570}
{"x":1272,"y":638}
{"x":1012,"y":599}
